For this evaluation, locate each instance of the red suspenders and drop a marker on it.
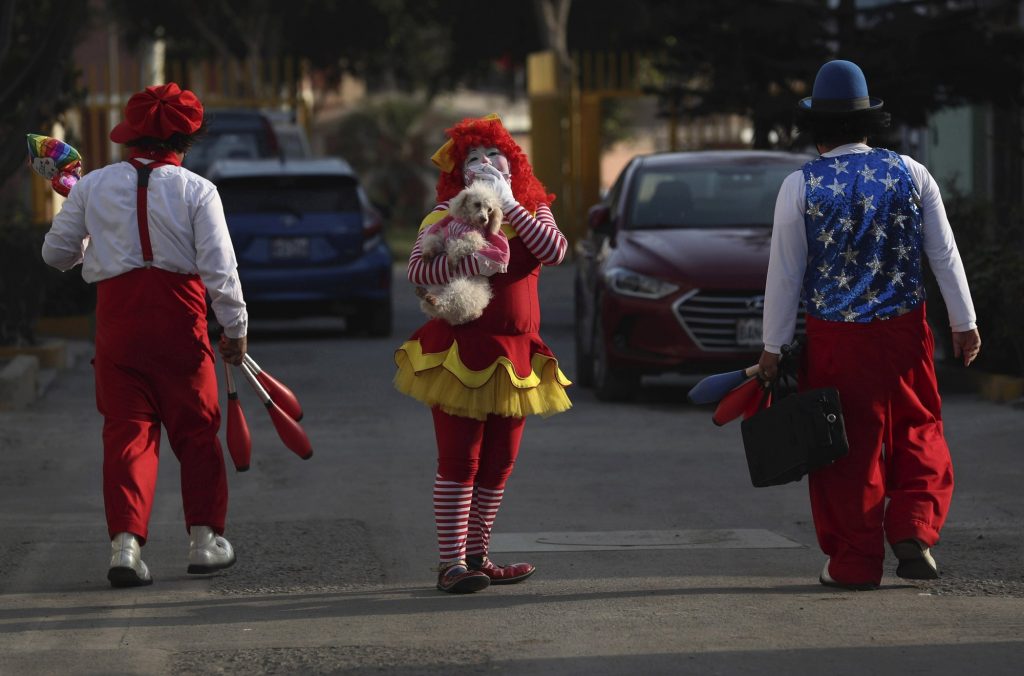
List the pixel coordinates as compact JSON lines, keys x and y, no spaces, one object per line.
{"x":144,"y":170}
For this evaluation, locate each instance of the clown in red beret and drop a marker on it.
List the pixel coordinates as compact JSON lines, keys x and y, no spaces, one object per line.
{"x":153,"y":238}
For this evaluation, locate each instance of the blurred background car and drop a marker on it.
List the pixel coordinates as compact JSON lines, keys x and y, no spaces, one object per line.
{"x":233,"y":134}
{"x":308,"y":241}
{"x":292,"y":140}
{"x":670,"y":275}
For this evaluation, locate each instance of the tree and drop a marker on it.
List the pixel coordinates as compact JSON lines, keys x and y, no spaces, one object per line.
{"x":36,"y":73}
{"x":726,"y":57}
{"x":427,"y":46}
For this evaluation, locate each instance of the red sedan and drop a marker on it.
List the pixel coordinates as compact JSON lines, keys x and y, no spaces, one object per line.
{"x":670,"y":276}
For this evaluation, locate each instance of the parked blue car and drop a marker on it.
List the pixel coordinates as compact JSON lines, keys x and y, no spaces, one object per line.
{"x":307,"y":239}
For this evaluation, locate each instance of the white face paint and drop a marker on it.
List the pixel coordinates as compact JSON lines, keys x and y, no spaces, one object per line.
{"x":481,"y":156}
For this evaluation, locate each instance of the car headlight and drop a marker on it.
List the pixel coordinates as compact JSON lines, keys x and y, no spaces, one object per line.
{"x":629,"y":283}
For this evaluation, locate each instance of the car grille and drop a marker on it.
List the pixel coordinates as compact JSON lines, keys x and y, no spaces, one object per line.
{"x":709,"y":317}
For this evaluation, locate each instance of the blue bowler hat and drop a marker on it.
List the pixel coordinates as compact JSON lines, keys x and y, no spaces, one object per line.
{"x":839,"y":87}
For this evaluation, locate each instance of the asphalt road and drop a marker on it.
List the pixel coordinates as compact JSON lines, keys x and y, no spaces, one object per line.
{"x":654,"y":554}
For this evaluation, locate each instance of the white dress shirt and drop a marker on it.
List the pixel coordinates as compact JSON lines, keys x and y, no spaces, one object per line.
{"x":98,"y":228}
{"x":789,"y":253}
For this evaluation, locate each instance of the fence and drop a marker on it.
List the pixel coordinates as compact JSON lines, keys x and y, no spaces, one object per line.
{"x":278,"y":84}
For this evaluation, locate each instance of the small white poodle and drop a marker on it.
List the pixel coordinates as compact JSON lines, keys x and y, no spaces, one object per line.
{"x":472,"y":228}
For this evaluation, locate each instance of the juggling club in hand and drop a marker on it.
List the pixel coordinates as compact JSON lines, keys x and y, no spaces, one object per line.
{"x":239,"y":439}
{"x":277,"y":390}
{"x":713,"y":388}
{"x":291,"y":433}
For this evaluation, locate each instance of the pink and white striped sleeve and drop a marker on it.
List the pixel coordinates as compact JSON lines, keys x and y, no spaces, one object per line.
{"x":436,"y":271}
{"x":539,"y":233}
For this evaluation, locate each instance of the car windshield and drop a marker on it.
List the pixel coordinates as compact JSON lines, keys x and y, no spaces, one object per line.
{"x":292,"y":194}
{"x":707,"y":196}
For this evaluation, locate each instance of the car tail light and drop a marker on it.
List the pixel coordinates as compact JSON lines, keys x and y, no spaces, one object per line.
{"x":373,"y":226}
{"x":274,"y":147}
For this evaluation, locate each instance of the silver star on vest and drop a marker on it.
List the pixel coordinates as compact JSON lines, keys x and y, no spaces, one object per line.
{"x":890,"y":182}
{"x":847,"y":224}
{"x":898,"y":219}
{"x":897,"y":277}
{"x":875,"y":265}
{"x":878,"y":231}
{"x":814,"y":210}
{"x":814,"y":182}
{"x":848,"y":315}
{"x":902,"y":309}
{"x":870,"y":297}
{"x":892,"y":160}
{"x":902,"y":252}
{"x":868,"y":173}
{"x":818,"y":299}
{"x":850,"y":254}
{"x":839,"y":167}
{"x":843,"y":281}
{"x":837,"y":187}
{"x":867,"y":201}
{"x":824,"y":269}
{"x":826,"y":238}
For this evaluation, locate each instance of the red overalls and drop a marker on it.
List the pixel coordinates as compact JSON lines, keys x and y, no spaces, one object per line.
{"x":886,"y":381}
{"x":154,"y":365}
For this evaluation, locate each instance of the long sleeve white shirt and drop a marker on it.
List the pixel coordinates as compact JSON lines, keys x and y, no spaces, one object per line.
{"x":98,"y":228}
{"x":789,"y":253}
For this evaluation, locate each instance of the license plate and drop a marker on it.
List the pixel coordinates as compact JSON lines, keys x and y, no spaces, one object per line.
{"x":289,"y":247}
{"x":748,"y":332}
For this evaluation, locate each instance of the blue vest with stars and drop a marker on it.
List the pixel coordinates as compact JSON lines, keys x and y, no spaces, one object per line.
{"x":864,"y":237}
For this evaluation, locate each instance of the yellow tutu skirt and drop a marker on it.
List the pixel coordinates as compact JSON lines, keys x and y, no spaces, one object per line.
{"x":441,"y":379}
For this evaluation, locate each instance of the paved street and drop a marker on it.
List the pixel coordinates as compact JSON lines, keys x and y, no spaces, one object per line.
{"x":654,"y":554}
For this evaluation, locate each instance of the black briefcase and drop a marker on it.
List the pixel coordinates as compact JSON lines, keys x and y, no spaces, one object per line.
{"x":796,"y":434}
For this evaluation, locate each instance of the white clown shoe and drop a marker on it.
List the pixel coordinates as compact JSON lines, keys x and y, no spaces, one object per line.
{"x":127,"y":568}
{"x":208,"y":552}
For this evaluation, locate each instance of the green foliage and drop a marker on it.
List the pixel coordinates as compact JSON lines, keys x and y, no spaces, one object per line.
{"x":991,"y":243}
{"x":36,"y":72}
{"x":30,"y":289}
{"x":389,"y":143}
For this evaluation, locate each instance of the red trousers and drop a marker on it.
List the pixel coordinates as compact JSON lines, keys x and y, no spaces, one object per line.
{"x":886,"y":380}
{"x":154,"y":365}
{"x":476,"y":452}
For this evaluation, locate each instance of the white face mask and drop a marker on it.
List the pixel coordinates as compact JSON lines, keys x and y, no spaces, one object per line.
{"x":480,"y":156}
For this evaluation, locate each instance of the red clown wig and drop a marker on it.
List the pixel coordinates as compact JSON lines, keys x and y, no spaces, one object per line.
{"x":487,"y":132}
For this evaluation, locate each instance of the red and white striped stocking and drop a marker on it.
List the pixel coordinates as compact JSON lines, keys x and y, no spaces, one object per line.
{"x":451,"y":514}
{"x":484,"y":509}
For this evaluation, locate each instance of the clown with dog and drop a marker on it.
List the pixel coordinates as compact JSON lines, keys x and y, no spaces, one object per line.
{"x":482,"y":378}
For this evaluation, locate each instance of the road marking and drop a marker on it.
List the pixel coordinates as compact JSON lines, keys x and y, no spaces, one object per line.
{"x":728,"y":538}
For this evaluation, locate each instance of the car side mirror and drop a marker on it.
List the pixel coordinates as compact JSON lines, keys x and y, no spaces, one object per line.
{"x":599,"y":220}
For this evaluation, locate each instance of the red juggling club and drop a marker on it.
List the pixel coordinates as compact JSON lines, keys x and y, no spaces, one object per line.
{"x":239,"y":439}
{"x":742,"y":400}
{"x":277,"y":390}
{"x":291,"y":433}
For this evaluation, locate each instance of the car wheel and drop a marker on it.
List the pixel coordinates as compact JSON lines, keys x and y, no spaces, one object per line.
{"x":584,"y":376}
{"x":610,"y":383}
{"x":374,"y":319}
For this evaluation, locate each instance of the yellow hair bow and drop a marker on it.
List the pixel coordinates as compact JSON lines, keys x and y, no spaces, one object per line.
{"x":443,"y":160}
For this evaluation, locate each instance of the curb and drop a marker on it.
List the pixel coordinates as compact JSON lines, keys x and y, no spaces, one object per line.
{"x":19,"y":382}
{"x":994,"y":387}
{"x":28,"y":370}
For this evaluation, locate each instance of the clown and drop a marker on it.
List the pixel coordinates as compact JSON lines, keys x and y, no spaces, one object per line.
{"x":482,"y":378}
{"x":158,"y":243}
{"x":851,"y":230}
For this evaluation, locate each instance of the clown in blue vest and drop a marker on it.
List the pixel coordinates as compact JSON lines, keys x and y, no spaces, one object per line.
{"x":851,"y":229}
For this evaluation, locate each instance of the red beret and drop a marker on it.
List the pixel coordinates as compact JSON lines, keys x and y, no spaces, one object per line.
{"x":158,"y":112}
